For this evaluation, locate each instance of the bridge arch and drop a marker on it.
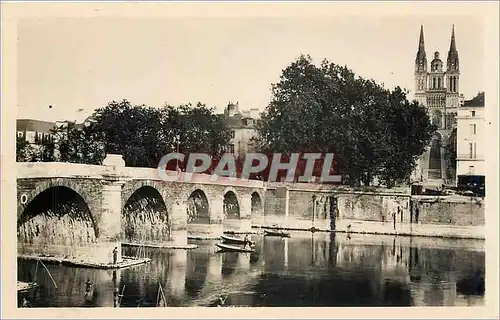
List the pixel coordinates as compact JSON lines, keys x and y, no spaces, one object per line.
{"x":56,"y":215}
{"x":198,"y":206}
{"x":144,"y":217}
{"x":57,"y":182}
{"x":231,"y":204}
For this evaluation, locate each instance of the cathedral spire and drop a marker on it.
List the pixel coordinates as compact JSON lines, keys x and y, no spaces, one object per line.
{"x":453,"y":46}
{"x":452,"y":61}
{"x":421,"y":59}
{"x":421,"y":45}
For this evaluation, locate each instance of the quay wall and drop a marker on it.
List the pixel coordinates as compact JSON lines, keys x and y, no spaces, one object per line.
{"x":371,"y":211}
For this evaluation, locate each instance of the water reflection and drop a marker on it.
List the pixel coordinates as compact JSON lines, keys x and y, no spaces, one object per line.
{"x":307,"y":269}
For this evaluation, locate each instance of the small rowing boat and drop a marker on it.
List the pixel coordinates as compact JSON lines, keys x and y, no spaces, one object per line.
{"x":228,"y":239}
{"x":227,"y":247}
{"x":273,"y":233}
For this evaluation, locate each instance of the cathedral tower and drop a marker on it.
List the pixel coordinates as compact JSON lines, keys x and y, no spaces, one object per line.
{"x":452,"y":80}
{"x":437,"y":89}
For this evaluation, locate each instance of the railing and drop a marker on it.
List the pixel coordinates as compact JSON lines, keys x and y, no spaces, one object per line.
{"x":468,"y":156}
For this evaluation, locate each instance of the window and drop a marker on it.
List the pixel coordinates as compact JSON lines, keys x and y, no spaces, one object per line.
{"x":233,"y":134}
{"x":230,"y":148}
{"x":470,"y":150}
{"x":472,"y":129}
{"x":471,"y":169}
{"x":473,"y":113}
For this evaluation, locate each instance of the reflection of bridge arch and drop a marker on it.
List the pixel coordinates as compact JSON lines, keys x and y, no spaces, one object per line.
{"x":58,"y":215}
{"x":145,"y":216}
{"x":198,"y":208}
{"x":196,"y":273}
{"x":231,"y":204}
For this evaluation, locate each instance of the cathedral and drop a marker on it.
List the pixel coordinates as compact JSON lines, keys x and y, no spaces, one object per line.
{"x":438,"y":89}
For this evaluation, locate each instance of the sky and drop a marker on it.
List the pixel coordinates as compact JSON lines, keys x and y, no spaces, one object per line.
{"x":84,"y":63}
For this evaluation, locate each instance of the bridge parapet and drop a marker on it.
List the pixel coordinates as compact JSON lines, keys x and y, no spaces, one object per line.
{"x":76,"y":170}
{"x":58,"y":169}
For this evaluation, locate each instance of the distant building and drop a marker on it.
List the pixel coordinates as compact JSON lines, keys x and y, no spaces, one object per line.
{"x":437,"y":88}
{"x":242,"y":125}
{"x":471,"y":167}
{"x":34,"y":131}
{"x":37,"y":132}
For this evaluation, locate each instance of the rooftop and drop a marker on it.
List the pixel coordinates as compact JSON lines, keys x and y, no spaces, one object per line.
{"x":477,"y":101}
{"x":34,"y":125}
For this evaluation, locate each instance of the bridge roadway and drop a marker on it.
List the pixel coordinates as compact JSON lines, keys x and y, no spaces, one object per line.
{"x":86,"y":210}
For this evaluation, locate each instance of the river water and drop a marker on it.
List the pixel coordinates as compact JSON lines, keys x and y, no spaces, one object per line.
{"x":320,"y":269}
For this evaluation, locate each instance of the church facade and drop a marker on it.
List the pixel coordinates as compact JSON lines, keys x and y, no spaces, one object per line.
{"x":437,"y":87}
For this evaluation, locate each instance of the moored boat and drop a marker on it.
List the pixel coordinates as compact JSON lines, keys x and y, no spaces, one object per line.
{"x":228,"y":239}
{"x":227,"y":247}
{"x":274,"y":233}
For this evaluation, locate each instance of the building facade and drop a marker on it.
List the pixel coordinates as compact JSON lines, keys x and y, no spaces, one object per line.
{"x":437,"y":87}
{"x":34,"y":131}
{"x":471,"y":126}
{"x":242,"y":125}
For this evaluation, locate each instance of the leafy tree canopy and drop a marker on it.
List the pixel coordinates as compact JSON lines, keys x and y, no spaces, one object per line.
{"x":373,"y":131}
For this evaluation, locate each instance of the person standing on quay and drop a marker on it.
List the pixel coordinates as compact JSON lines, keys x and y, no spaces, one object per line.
{"x":394,"y":220}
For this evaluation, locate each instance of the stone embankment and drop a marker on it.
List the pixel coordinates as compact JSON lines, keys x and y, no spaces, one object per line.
{"x":372,"y":211}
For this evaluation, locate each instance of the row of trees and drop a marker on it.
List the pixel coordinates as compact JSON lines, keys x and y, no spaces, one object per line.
{"x":142,"y":134}
{"x":373,"y":131}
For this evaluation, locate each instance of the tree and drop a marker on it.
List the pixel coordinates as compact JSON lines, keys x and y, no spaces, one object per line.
{"x":131,"y":131}
{"x":143,"y":135}
{"x":478,"y":100}
{"x":411,"y":131}
{"x":75,"y":143}
{"x":198,"y":128}
{"x":47,"y":150}
{"x":24,"y":151}
{"x":371,"y":130}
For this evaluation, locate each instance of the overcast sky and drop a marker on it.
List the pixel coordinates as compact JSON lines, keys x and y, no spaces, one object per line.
{"x":84,"y":63}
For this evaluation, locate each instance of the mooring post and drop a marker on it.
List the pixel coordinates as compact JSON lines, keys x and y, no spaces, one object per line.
{"x":314,"y":209}
{"x":287,"y":205}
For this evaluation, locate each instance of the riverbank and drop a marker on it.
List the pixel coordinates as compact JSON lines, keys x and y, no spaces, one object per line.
{"x":370,"y":211}
{"x":379,"y":228}
{"x":412,"y":229}
{"x":125,"y":263}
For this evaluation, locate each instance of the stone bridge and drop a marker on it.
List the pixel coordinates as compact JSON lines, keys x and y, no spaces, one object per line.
{"x":87,"y":210}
